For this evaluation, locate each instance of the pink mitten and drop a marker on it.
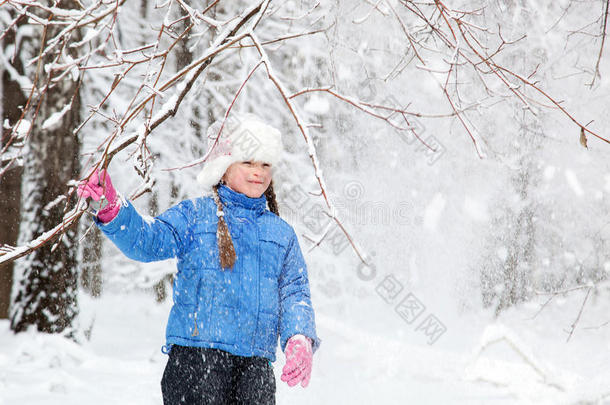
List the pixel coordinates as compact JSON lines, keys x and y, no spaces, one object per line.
{"x":97,"y":186}
{"x":299,"y":358}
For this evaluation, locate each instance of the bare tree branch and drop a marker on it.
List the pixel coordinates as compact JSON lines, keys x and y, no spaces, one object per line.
{"x":596,"y":73}
{"x":310,"y":146}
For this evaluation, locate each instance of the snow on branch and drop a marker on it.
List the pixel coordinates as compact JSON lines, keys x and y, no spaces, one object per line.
{"x":480,"y":368}
{"x":12,"y":253}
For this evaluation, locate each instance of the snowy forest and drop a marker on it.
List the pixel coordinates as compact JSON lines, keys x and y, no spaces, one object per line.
{"x":443,"y":169}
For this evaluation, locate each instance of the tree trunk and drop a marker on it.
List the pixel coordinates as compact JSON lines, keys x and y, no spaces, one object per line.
{"x":46,"y":295}
{"x":13,"y":100}
{"x":46,"y":280}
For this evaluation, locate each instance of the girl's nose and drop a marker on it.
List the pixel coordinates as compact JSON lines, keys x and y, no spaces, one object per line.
{"x":259,"y":171}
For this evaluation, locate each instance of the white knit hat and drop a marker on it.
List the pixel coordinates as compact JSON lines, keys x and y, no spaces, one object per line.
{"x":244,"y":137}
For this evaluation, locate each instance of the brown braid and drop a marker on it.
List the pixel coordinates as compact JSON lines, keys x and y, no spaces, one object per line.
{"x":226,"y":250}
{"x":271,"y":201}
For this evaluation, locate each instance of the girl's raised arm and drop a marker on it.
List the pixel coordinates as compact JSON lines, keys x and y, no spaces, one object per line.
{"x":149,"y":239}
{"x":138,"y":238}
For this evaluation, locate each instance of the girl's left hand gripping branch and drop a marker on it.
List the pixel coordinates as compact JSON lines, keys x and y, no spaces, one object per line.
{"x":99,"y":188}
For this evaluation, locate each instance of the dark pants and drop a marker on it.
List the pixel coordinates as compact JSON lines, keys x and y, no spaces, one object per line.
{"x":198,"y":376}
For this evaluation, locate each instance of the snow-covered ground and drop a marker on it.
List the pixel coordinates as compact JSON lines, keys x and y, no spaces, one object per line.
{"x":365,"y":358}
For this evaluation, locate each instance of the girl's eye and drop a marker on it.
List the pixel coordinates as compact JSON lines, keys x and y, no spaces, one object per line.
{"x":266,"y":165}
{"x":247,"y":162}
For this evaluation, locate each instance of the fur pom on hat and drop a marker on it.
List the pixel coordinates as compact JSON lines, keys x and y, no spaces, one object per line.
{"x":244,"y":137}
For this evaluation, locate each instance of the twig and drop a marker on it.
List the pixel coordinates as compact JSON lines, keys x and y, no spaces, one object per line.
{"x":579,"y":314}
{"x":601,"y":47}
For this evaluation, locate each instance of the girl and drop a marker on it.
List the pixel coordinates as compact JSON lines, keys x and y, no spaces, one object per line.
{"x":241,"y":280}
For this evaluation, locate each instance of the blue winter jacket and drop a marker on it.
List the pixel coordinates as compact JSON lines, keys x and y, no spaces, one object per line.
{"x":240,"y":310}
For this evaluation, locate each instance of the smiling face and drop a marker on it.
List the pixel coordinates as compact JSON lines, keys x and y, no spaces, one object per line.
{"x":250,"y":178}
